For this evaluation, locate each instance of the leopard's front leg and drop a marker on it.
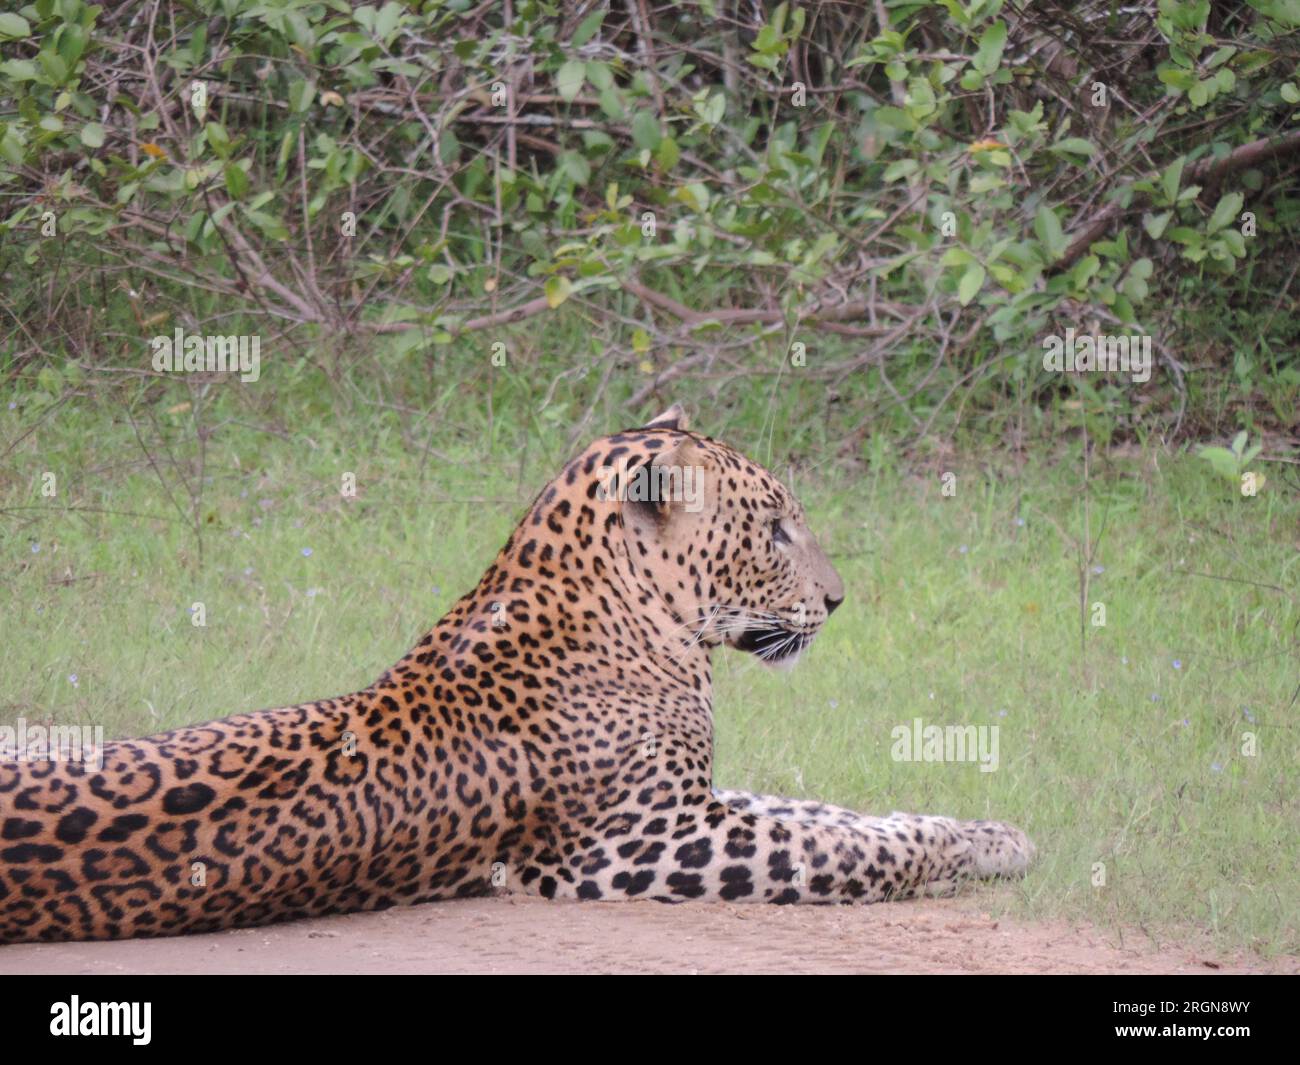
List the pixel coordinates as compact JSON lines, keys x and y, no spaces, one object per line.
{"x":708,"y":850}
{"x":999,"y":849}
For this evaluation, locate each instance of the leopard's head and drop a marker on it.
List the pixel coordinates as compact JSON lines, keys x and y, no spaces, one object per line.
{"x":724,"y":544}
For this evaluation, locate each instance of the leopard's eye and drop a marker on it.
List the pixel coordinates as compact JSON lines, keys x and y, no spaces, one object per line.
{"x":779,"y":535}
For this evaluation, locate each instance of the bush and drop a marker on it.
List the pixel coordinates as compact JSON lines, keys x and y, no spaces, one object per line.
{"x":921,"y":186}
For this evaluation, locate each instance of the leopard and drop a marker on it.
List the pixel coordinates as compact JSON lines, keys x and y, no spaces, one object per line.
{"x":551,"y":735}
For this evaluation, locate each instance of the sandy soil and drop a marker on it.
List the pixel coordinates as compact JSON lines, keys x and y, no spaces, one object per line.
{"x":526,"y":935}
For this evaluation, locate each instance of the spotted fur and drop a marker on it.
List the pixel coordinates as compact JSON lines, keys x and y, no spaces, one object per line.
{"x":552,"y":734}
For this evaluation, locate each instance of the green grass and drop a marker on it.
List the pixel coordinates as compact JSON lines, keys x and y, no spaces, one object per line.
{"x":1126,"y":751}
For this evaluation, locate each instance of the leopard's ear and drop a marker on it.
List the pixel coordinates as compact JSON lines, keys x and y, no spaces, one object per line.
{"x":665,"y":485}
{"x":673,"y":418}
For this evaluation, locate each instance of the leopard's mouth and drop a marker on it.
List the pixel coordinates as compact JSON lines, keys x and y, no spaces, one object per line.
{"x":773,"y":643}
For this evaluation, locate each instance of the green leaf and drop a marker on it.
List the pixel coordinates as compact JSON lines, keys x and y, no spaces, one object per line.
{"x":895,"y":118}
{"x":1221,"y":460}
{"x":587,"y":29}
{"x":645,"y":131}
{"x":18,"y":69}
{"x":576,"y":166}
{"x":236,"y":181}
{"x":50,"y":379}
{"x":992,"y":41}
{"x":1225,"y":211}
{"x":218,"y":138}
{"x":1134,"y":285}
{"x":92,"y":135}
{"x":14,"y":26}
{"x":1290,"y":93}
{"x":1155,"y":224}
{"x":1221,"y":56}
{"x":448,"y":146}
{"x":694,"y":195}
{"x":268,"y":224}
{"x":1074,"y":146}
{"x":558,"y":289}
{"x":900,"y":168}
{"x":387,"y":19}
{"x":1235,"y":241}
{"x":54,"y":66}
{"x":667,"y":154}
{"x":768,"y":40}
{"x":612,"y":104}
{"x":1047,"y":228}
{"x":1084,"y":271}
{"x":300,"y":95}
{"x":1287,"y":12}
{"x":1172,"y":177}
{"x":11,"y":151}
{"x":72,"y":42}
{"x":971,"y":282}
{"x":569,"y":79}
{"x":920,"y":98}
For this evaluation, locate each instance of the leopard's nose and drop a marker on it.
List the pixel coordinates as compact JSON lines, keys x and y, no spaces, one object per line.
{"x":831,"y":604}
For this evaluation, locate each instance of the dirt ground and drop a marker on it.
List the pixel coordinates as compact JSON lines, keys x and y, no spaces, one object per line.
{"x":527,"y":935}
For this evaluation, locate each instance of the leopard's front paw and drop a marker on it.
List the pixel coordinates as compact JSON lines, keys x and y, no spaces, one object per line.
{"x":998,"y":849}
